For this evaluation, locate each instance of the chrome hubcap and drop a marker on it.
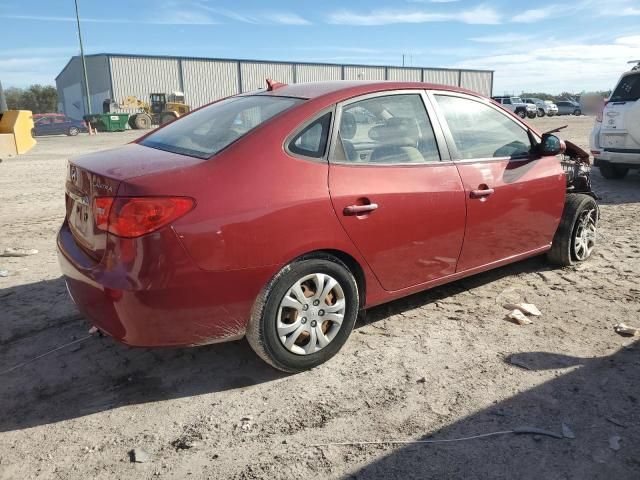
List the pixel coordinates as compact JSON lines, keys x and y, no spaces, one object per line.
{"x":585,"y":239}
{"x":311,"y":314}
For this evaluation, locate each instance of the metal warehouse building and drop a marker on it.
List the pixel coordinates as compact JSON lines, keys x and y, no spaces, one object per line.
{"x":203,"y":80}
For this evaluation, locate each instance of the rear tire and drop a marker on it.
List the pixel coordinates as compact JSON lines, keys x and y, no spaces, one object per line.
{"x":272,"y":331}
{"x":613,"y":172}
{"x":577,"y":112}
{"x":576,"y":236}
{"x":73,"y":131}
{"x":521,"y":113}
{"x":541,"y":112}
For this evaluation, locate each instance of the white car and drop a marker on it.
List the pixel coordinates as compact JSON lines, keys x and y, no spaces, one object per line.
{"x":615,"y":139}
{"x":544,"y":107}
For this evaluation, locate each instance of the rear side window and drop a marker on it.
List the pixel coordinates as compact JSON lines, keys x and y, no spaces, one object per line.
{"x":312,"y":140}
{"x":205,"y":132}
{"x":628,"y":90}
{"x":479,"y":131}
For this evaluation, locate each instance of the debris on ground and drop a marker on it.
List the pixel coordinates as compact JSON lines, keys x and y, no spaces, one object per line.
{"x":567,"y":432}
{"x":526,"y":308}
{"x":4,"y":273}
{"x":614,"y":442}
{"x":18,"y":252}
{"x":626,"y":330}
{"x":422,"y":380}
{"x":247,"y":423}
{"x":516,"y":316}
{"x":138,"y":455}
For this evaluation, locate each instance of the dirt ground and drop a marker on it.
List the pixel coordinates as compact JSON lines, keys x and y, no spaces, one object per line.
{"x":436,"y":365}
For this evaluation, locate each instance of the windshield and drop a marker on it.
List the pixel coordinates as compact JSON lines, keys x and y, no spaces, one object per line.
{"x":628,"y":90}
{"x":205,"y":132}
{"x":516,"y":100}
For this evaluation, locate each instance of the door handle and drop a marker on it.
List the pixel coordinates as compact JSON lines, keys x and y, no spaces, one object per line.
{"x":358,"y":209}
{"x":483,"y":192}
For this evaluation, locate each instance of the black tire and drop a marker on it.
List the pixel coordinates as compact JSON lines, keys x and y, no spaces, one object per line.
{"x":142,"y":121}
{"x":577,"y":112}
{"x":521,"y":113}
{"x":532,"y":114}
{"x":262,"y":332}
{"x":73,"y":131}
{"x":576,"y":206}
{"x":613,"y":172}
{"x":541,"y":112}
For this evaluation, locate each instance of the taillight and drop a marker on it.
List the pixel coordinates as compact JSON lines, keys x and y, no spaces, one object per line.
{"x":136,"y":216}
{"x":600,"y":113}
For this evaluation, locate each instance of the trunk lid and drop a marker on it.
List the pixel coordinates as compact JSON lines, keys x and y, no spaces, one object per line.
{"x":100,"y":175}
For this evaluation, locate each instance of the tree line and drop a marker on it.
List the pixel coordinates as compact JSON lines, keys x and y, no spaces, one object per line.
{"x":37,"y":98}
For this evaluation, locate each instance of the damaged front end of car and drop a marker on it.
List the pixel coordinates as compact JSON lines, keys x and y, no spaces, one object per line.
{"x":577,"y":168}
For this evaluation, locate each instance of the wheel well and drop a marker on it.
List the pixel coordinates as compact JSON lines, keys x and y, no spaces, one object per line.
{"x":351,"y":263}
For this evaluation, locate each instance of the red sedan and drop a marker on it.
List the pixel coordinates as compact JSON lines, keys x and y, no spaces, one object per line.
{"x":279,"y":214}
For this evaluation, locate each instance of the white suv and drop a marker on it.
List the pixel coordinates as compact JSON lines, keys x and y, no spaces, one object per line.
{"x":545,"y":107}
{"x":615,"y":139}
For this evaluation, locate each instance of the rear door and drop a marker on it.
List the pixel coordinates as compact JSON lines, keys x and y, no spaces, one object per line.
{"x":620,"y":131}
{"x":514,"y":197}
{"x":394,"y":189}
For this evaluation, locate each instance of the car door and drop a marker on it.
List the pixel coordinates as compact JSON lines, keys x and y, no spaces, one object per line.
{"x":563,"y":108}
{"x":514,"y":196}
{"x":60,"y":125}
{"x":43,"y":126}
{"x":394,"y":189}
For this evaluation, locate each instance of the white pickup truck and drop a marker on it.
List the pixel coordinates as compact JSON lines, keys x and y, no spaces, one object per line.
{"x":615,"y":138}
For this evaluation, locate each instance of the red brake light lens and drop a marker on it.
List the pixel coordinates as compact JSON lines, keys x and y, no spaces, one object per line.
{"x":136,"y":216}
{"x":600,"y":113}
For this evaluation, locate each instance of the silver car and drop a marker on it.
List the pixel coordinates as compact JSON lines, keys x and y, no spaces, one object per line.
{"x":568,"y":107}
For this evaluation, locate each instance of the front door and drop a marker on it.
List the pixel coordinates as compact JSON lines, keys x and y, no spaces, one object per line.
{"x":400,"y":203}
{"x":514,"y":196}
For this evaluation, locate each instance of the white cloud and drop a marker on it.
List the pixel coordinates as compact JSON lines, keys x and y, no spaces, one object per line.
{"x":478,"y":15}
{"x":286,"y":18}
{"x":501,"y":38}
{"x":176,"y":18}
{"x":535,"y":15}
{"x":555,"y":66}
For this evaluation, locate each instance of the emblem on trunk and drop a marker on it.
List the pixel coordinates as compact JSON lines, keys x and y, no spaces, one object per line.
{"x":103,"y":186}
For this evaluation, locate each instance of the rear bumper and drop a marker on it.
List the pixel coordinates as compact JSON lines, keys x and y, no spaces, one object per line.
{"x":159,"y":297}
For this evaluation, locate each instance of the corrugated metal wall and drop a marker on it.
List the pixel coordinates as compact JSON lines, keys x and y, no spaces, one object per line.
{"x":317,"y":73}
{"x":477,"y":81}
{"x":140,"y":76}
{"x":354,"y":72}
{"x":205,"y":81}
{"x":404,"y":74}
{"x":443,"y":77}
{"x":254,"y":74}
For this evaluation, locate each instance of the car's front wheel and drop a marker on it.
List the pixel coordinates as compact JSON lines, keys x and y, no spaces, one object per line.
{"x":73,"y":131}
{"x":521,"y":113}
{"x":541,"y":112}
{"x":577,"y":112}
{"x":613,"y":172}
{"x":576,"y":236}
{"x":305,"y":314}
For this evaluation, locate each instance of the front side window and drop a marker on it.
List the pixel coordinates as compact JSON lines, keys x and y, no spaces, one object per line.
{"x":628,"y":90}
{"x":391,"y":129}
{"x":480,"y":131}
{"x":207,"y":131}
{"x":312,"y":140}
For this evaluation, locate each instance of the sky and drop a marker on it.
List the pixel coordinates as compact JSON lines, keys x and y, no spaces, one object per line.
{"x":545,"y":45}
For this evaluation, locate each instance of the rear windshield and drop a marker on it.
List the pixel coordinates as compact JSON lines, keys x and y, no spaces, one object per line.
{"x":628,"y":90}
{"x":207,"y":131}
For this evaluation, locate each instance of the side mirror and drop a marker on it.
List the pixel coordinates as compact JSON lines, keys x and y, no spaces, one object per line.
{"x":551,"y":145}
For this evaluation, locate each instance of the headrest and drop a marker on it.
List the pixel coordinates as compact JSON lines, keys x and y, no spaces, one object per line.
{"x":398,"y":131}
{"x":348,"y":126}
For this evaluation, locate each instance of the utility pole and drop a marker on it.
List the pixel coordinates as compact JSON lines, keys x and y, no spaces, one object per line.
{"x":84,"y":63}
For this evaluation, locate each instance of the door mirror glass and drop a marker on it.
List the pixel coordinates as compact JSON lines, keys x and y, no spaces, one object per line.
{"x":551,"y":145}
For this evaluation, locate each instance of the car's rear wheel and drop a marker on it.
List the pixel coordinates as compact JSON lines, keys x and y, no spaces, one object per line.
{"x":577,"y":112}
{"x":576,"y":236}
{"x":521,"y":113}
{"x":305,"y":314}
{"x":613,"y":172}
{"x":73,"y":131}
{"x":541,"y":112}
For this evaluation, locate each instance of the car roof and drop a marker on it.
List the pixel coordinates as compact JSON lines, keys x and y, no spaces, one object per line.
{"x":347,"y":89}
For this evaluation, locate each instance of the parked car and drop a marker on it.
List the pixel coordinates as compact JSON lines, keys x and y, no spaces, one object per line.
{"x":544,"y":107}
{"x":568,"y":107}
{"x":283,"y":223}
{"x":615,"y":138}
{"x":57,"y":124}
{"x":518,"y":106}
